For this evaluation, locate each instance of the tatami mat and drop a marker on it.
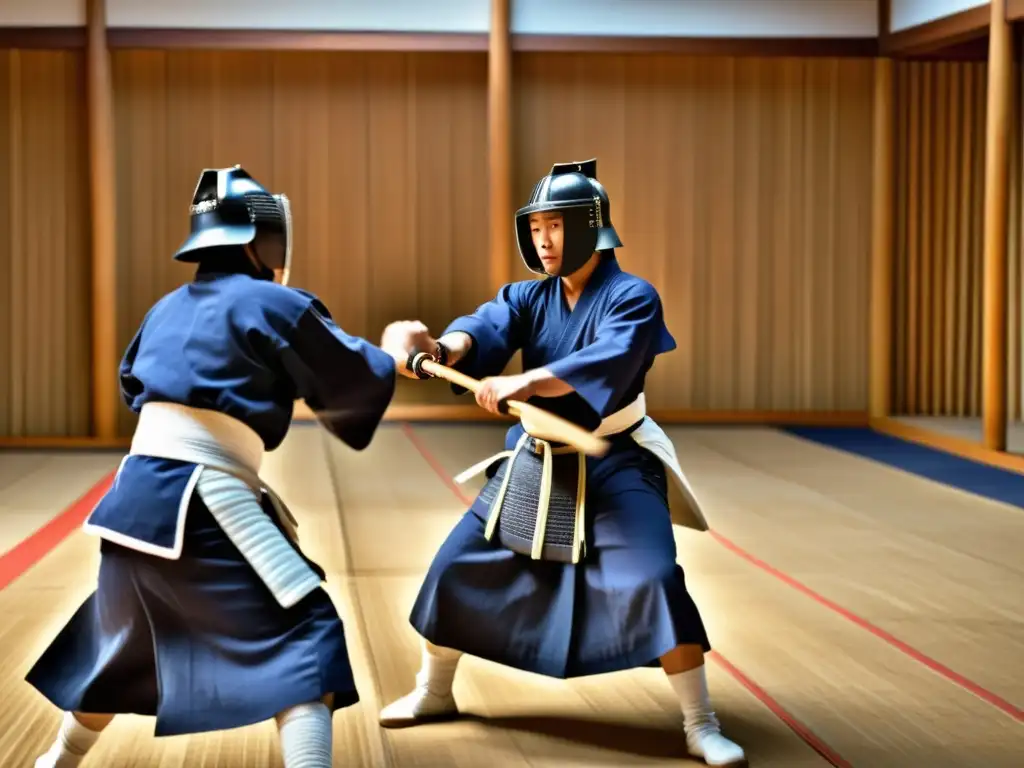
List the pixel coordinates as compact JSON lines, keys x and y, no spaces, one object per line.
{"x":803,"y":533}
{"x":35,"y":486}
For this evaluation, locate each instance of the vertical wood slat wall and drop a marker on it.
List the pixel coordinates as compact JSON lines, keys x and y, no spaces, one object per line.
{"x":1015,"y":267}
{"x":940,"y":170}
{"x":384,"y":156}
{"x":741,"y":187}
{"x":44,"y":245}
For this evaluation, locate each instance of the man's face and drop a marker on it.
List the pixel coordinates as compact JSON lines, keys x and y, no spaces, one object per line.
{"x":547,"y":232}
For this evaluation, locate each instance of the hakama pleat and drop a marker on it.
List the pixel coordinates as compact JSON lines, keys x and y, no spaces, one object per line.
{"x":624,"y":606}
{"x":199,"y":642}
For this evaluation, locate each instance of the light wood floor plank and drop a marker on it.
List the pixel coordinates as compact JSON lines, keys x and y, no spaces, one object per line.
{"x":35,"y":486}
{"x":518,"y":718}
{"x":937,"y":567}
{"x":375,"y":518}
{"x":835,"y":673}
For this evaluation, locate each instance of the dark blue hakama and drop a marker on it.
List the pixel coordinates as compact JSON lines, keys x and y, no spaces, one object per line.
{"x":623,"y":606}
{"x":626,"y":603}
{"x":198,"y":642}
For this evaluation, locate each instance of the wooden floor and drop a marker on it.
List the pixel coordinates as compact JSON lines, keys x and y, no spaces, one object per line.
{"x":861,"y":616}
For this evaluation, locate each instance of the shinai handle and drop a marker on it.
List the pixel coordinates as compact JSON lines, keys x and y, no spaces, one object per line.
{"x":451,"y":375}
{"x":536,"y":421}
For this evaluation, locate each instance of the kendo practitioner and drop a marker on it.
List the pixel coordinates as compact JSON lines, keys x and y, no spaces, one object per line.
{"x":206,"y":613}
{"x":565,"y":565}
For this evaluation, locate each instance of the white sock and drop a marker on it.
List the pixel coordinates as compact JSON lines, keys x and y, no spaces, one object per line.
{"x":438,"y":671}
{"x":72,"y":742}
{"x":692,"y":689}
{"x":703,"y":733}
{"x":305,"y":732}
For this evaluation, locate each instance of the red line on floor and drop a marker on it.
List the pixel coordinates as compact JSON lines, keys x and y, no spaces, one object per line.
{"x":982,"y":693}
{"x":795,"y":725}
{"x":30,"y":551}
{"x":435,"y":464}
{"x":801,"y":730}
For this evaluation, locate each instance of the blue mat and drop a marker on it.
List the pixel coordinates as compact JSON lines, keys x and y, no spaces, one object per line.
{"x":967,"y":475}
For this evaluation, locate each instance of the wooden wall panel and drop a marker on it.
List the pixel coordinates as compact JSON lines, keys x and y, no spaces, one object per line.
{"x":383,"y":154}
{"x":44,"y":246}
{"x":741,"y":188}
{"x":1015,"y":267}
{"x":938,"y":254}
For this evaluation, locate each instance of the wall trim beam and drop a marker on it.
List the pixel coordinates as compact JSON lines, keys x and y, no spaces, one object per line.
{"x":884,"y":22}
{"x":298,"y":40}
{"x":35,"y":38}
{"x":1014,"y":10}
{"x":958,"y":446}
{"x":103,"y":209}
{"x":473,"y":413}
{"x":935,"y":35}
{"x":844,"y":47}
{"x":295,"y":40}
{"x":64,"y":443}
{"x":996,"y":225}
{"x":470,"y":414}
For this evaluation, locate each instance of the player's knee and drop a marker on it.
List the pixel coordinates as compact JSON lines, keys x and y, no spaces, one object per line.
{"x":92,"y":721}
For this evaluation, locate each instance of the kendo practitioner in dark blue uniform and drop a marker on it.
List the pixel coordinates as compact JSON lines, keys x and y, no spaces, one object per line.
{"x":206,"y":613}
{"x":565,"y":565}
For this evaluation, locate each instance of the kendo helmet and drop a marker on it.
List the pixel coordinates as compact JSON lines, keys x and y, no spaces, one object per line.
{"x":230,"y":208}
{"x":573,"y":190}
